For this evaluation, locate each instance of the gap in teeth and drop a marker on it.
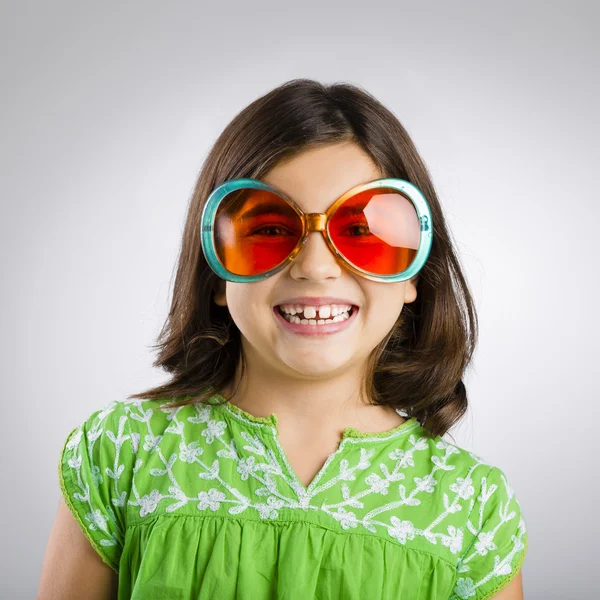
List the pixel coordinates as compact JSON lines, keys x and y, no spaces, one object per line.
{"x":305,"y":315}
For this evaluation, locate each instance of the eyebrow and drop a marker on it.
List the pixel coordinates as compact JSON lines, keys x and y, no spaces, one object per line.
{"x":278,"y":209}
{"x":264,"y":209}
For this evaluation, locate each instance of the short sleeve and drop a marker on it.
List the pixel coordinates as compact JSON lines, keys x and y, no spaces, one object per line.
{"x":95,"y":473}
{"x":495,"y":540}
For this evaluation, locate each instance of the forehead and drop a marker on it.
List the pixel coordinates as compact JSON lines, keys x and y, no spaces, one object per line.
{"x":315,"y":178}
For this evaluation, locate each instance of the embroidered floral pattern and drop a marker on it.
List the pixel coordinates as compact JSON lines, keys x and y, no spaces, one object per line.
{"x":385,"y":484}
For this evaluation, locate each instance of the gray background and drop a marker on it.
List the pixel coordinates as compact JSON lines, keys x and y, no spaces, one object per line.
{"x":107,"y":111}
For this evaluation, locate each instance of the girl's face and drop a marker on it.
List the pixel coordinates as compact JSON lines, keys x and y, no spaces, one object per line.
{"x":314,"y":180}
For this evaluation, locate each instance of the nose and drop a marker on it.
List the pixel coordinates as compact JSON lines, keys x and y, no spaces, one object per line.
{"x":315,"y":260}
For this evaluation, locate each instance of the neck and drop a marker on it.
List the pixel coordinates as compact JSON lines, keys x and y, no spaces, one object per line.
{"x":308,"y":405}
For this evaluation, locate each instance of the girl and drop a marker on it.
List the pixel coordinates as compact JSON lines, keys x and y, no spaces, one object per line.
{"x":317,"y":339}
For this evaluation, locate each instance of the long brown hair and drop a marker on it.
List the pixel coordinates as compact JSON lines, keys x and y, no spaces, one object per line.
{"x":419,"y":366}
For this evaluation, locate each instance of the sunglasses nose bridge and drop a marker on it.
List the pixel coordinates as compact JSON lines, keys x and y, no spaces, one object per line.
{"x":315,"y":222}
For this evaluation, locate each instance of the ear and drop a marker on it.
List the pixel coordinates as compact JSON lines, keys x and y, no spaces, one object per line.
{"x":220,"y":295}
{"x":410,"y":290}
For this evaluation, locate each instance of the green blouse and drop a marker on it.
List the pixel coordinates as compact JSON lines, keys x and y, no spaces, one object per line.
{"x":201,"y":502}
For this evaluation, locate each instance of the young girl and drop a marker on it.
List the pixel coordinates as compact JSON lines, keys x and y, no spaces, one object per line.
{"x":317,"y":339}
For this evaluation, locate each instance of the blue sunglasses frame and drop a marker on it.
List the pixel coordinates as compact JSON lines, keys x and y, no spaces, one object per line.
{"x":316,"y":222}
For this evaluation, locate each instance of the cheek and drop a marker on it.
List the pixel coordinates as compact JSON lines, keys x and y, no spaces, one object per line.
{"x":243,"y":300}
{"x":250,"y":314}
{"x":384,"y":303}
{"x":241,"y":314}
{"x":386,"y":298}
{"x":383,"y":318}
{"x":250,"y":303}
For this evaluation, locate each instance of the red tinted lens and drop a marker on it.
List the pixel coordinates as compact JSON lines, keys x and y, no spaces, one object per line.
{"x":377,"y":230}
{"x":255,"y":230}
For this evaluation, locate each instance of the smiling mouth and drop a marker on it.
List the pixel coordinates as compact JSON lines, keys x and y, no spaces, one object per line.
{"x":298,"y":319}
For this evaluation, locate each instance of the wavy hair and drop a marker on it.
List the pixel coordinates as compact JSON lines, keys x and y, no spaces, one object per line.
{"x":431,"y":344}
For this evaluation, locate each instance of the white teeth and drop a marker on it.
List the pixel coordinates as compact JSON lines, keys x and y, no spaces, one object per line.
{"x":324,"y":312}
{"x":307,"y":315}
{"x":336,"y":319}
{"x":295,"y":319}
{"x":310,"y":312}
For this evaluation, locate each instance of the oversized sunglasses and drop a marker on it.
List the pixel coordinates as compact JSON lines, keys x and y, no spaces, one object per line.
{"x":381,"y":230}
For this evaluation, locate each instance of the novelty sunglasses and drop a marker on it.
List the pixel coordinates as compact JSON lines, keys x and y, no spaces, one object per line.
{"x":381,"y":230}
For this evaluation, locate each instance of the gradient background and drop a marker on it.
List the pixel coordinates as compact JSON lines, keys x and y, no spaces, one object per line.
{"x":107,"y":112}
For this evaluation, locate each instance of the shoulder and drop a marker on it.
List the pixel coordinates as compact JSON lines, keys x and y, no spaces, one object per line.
{"x":151,"y":420}
{"x":489,"y":533}
{"x":474,"y":472}
{"x":94,"y":471}
{"x":108,"y":440}
{"x":98,"y":426}
{"x":134,"y":416}
{"x":461,"y":471}
{"x":438,"y":456}
{"x":466,"y":482}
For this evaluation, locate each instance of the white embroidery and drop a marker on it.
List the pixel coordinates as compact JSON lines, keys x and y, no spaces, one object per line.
{"x":98,"y":519}
{"x":280,"y":487}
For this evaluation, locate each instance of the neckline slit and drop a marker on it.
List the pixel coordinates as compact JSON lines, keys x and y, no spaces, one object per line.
{"x":349,"y":435}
